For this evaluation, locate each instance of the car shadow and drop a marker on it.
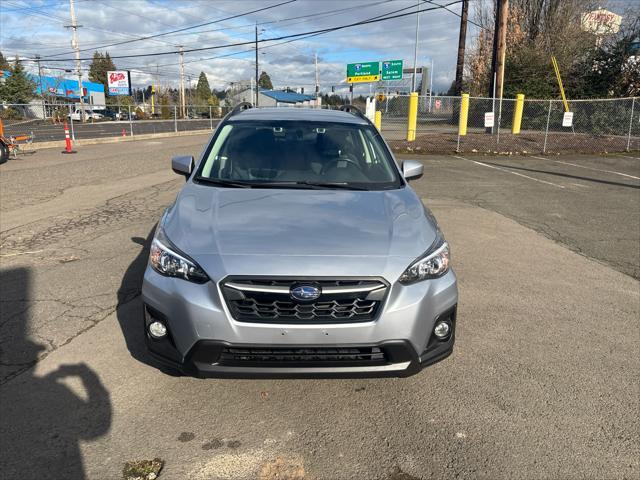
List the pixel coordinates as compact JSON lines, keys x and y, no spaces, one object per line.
{"x":129,"y":309}
{"x":42,"y":418}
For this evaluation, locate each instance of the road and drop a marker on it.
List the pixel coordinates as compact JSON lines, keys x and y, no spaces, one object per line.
{"x":46,"y":131}
{"x":543,"y":383}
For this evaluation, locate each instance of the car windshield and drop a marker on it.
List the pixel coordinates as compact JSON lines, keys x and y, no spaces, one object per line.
{"x":299,"y":155}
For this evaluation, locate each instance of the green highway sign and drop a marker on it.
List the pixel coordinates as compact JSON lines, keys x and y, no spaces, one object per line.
{"x":363,"y":72}
{"x":392,"y":70}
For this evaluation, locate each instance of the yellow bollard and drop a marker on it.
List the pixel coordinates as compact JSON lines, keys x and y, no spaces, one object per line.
{"x":413,"y":117}
{"x":464,"y":114}
{"x":378,"y":120}
{"x":517,"y":114}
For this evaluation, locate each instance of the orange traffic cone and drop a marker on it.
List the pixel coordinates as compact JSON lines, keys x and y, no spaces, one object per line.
{"x":67,"y":140}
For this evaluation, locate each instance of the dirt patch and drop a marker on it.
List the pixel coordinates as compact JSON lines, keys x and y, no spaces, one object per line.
{"x":526,"y":142}
{"x":142,"y":469}
{"x":283,"y":468}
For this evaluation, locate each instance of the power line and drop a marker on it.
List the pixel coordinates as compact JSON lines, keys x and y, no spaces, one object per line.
{"x":282,"y":37}
{"x":296,"y":39}
{"x":148,"y":37}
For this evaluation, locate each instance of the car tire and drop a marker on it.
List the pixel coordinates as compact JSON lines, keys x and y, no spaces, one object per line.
{"x":4,"y":153}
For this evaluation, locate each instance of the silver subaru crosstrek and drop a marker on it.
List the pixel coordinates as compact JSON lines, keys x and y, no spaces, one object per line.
{"x":295,"y":248}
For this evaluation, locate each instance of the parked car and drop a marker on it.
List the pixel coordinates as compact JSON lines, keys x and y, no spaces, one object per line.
{"x":112,"y":115}
{"x":88,"y":115}
{"x":297,"y":247}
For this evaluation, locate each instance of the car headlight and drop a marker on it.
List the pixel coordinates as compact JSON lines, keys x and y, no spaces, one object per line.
{"x":432,"y":264}
{"x":167,"y":260}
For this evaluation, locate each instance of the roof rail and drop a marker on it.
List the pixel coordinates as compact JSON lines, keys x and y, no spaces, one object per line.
{"x":240,"y":107}
{"x":353,"y":109}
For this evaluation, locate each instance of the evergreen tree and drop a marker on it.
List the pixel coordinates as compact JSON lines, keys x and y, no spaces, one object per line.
{"x":17,"y":88}
{"x":265,"y":81}
{"x":4,"y":64}
{"x":100,"y":65}
{"x":203,"y":91}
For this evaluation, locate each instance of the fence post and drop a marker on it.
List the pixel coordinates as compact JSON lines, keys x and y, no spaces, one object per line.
{"x":633,"y":104}
{"x":175,"y":118}
{"x":210,"y":118}
{"x":73,"y":133}
{"x":130,"y":121}
{"x":546,"y":132}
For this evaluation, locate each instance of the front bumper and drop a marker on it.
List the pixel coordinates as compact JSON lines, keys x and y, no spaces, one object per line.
{"x":202,"y":333}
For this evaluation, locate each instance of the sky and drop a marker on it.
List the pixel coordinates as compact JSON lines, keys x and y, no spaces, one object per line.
{"x":30,"y":27}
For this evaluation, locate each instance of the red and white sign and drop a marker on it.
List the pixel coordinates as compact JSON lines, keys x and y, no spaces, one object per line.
{"x":601,"y":22}
{"x":489,"y":119}
{"x":118,"y":82}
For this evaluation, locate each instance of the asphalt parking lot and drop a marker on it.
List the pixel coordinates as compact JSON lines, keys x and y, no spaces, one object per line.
{"x":544,"y":381}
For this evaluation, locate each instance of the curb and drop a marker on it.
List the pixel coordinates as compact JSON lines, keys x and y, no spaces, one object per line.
{"x":98,"y":141}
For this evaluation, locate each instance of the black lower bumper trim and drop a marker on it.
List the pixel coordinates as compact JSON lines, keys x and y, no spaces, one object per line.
{"x":216,"y":358}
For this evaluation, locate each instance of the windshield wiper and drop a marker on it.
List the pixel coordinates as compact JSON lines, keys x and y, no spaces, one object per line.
{"x":306,"y":183}
{"x":291,"y":184}
{"x":223,"y":183}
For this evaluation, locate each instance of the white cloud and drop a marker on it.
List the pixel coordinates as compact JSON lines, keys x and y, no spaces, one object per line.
{"x":37,"y":26}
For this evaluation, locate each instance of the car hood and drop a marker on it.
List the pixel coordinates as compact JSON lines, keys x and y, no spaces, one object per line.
{"x":291,"y":231}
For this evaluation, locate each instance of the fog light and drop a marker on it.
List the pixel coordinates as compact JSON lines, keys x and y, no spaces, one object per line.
{"x":157,"y":329}
{"x":442,"y":330}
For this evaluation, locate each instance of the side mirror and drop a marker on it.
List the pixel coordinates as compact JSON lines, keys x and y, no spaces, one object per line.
{"x":412,"y":169}
{"x":183,"y":165}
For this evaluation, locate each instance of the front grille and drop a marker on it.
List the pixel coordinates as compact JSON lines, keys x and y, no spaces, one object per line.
{"x":302,"y":356}
{"x":269,"y":300}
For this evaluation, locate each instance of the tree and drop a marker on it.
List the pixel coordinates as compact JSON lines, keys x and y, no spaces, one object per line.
{"x":536,"y":30}
{"x":613,"y":68}
{"x":17,"y":88}
{"x":4,"y":64}
{"x":203,"y":91}
{"x":100,"y":65}
{"x":265,"y":81}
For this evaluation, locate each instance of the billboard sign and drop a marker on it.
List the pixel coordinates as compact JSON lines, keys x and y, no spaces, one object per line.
{"x":119,"y":82}
{"x":363,"y":72}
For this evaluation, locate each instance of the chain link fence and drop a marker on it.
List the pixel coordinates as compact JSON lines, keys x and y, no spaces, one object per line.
{"x":45,"y":122}
{"x":599,"y":126}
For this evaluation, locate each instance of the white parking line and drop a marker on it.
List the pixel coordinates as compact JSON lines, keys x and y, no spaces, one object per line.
{"x":509,"y":171}
{"x":588,"y":168}
{"x":626,"y":156}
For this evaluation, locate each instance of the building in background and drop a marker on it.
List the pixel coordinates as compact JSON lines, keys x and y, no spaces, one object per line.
{"x":60,"y":91}
{"x":274,"y":98}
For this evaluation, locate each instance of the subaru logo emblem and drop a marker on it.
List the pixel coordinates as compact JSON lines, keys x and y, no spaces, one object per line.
{"x":305,"y":292}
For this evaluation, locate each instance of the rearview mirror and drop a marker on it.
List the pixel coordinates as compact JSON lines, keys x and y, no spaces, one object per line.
{"x":412,"y":169}
{"x":183,"y":165}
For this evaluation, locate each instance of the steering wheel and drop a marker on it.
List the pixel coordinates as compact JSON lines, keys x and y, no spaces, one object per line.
{"x":346,"y":159}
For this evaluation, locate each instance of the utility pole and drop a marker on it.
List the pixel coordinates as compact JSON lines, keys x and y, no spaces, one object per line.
{"x":44,"y":110}
{"x":502,"y":48}
{"x":462,"y":39}
{"x":182,"y":99}
{"x":257,"y":88}
{"x":499,"y":49}
{"x":415,"y":51}
{"x":74,"y":44}
{"x":317,"y":79}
